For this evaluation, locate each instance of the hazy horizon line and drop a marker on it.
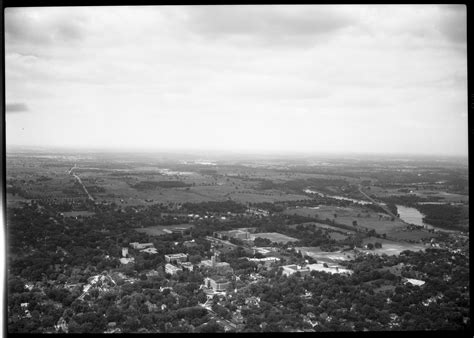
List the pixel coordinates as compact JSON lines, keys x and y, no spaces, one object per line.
{"x":230,"y":152}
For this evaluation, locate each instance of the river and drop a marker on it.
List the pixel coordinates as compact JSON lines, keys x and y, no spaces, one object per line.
{"x":413,"y":216}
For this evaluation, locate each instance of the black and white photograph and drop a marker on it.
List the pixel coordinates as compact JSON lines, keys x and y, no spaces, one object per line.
{"x":236,"y":169}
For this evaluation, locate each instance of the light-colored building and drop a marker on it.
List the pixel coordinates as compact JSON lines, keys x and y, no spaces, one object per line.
{"x":264,"y":260}
{"x":175,"y":230}
{"x":187,"y":265}
{"x":329,"y":268}
{"x":150,"y":251}
{"x":262,"y":251}
{"x":152,"y":273}
{"x":238,"y":233}
{"x":140,"y":246}
{"x":217,"y":283}
{"x":124,"y":260}
{"x":171,"y":269}
{"x":124,"y":252}
{"x":293,"y":268}
{"x":213,"y":264}
{"x":178,"y":258}
{"x":417,"y":282}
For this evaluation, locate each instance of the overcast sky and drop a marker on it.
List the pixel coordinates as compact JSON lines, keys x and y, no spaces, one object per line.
{"x":364,"y":79}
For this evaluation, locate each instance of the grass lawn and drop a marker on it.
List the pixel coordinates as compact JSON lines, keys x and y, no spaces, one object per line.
{"x":276,"y":237}
{"x":158,"y":230}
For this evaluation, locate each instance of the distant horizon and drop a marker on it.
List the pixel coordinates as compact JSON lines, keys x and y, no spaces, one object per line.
{"x":217,"y":152}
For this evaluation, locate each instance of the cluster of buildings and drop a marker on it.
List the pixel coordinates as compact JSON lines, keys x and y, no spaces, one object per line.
{"x":177,"y":262}
{"x":258,"y":212}
{"x":142,"y":247}
{"x":216,"y":281}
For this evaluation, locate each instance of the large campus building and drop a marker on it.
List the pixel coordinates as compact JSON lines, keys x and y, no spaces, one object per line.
{"x":220,"y":267}
{"x":238,"y":233}
{"x":176,"y":258}
{"x":217,"y":283}
{"x":293,"y":268}
{"x":140,"y":246}
{"x":171,"y":269}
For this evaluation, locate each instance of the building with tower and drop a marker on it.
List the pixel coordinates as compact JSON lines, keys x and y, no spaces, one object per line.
{"x":124,"y":252}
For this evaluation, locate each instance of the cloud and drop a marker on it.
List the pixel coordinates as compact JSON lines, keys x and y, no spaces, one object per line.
{"x":43,"y":26}
{"x":267,"y":24}
{"x":452,"y":23}
{"x":16,"y":108}
{"x":310,"y":73}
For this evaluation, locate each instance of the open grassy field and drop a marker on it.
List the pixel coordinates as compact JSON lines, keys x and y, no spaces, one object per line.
{"x":424,"y":193}
{"x":347,"y":215}
{"x":412,"y":235}
{"x":119,"y":188}
{"x":388,"y":247}
{"x":327,"y":257}
{"x":275,"y":237}
{"x":266,"y":196}
{"x":391,"y":247}
{"x":159,"y":230}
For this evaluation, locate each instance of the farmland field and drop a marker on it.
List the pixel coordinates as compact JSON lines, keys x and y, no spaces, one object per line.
{"x":365,"y":218}
{"x":391,"y":247}
{"x":434,"y":195}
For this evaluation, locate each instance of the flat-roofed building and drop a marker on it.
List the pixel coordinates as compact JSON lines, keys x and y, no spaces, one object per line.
{"x":217,"y":283}
{"x":150,"y":251}
{"x":212,"y":263}
{"x":175,"y":230}
{"x":178,"y":258}
{"x":413,"y":281}
{"x":238,"y":233}
{"x":329,"y":268}
{"x":140,"y":246}
{"x":262,"y":251}
{"x":265,"y":260}
{"x":171,"y":269}
{"x":187,"y":265}
{"x":293,"y":268}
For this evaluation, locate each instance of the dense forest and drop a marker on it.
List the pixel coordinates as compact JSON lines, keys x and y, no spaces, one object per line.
{"x":57,"y":256}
